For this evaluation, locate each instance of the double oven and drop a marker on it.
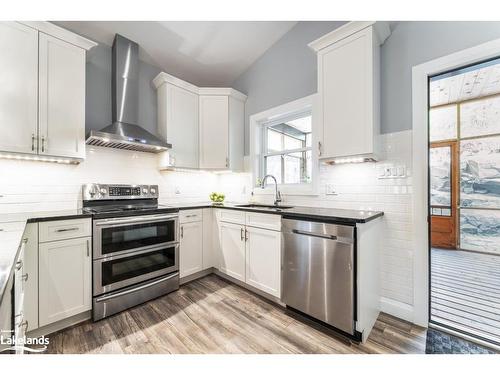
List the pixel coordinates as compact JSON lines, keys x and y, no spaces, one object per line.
{"x":135,"y":252}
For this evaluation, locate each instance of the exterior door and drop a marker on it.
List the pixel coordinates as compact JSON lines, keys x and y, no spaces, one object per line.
{"x":18,"y":88}
{"x":443,"y":164}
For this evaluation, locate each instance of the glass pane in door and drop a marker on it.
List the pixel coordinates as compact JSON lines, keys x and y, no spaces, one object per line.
{"x":440,"y":176}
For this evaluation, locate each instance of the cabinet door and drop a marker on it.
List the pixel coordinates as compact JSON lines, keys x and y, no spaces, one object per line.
{"x":182,"y":126}
{"x":232,"y":257}
{"x":191,"y":248}
{"x":263,"y":260}
{"x":18,"y":88}
{"x":209,"y":252}
{"x":346,"y":105}
{"x":61,"y":98}
{"x":31,"y":276}
{"x":64,"y":279}
{"x":214,"y":132}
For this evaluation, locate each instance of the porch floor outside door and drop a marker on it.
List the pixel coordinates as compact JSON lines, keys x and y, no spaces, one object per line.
{"x":465,"y":292}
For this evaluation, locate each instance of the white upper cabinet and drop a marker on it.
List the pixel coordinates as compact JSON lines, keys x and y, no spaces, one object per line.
{"x":204,"y":125}
{"x":222,"y":121}
{"x":214,"y":132}
{"x":42,"y":90}
{"x":61,"y":98}
{"x":349,"y":90}
{"x":178,"y":121}
{"x":18,"y":88}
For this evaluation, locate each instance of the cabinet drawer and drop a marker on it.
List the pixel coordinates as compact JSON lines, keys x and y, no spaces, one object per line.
{"x":189,"y":216}
{"x":13,"y":226}
{"x":232,"y":216}
{"x":265,"y":221}
{"x":63,"y":229}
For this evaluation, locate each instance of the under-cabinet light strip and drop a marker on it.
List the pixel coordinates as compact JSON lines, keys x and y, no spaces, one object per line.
{"x":39,"y":158}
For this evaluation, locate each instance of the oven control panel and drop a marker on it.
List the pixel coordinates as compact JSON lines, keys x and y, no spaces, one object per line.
{"x":102,"y":192}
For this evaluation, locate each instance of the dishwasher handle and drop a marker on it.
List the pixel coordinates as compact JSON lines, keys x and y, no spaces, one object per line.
{"x":314,"y":234}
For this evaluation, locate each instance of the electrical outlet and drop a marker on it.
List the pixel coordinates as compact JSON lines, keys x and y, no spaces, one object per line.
{"x":330,"y":190}
{"x":177,"y":190}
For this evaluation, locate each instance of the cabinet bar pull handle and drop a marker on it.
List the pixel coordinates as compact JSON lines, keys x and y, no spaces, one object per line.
{"x":242,"y":236}
{"x":19,"y":265}
{"x":319,"y":149}
{"x":32,"y":142}
{"x":66,"y":229}
{"x":182,"y":232}
{"x":88,"y":248}
{"x":43,"y":144}
{"x":246,"y":234}
{"x":25,"y":277}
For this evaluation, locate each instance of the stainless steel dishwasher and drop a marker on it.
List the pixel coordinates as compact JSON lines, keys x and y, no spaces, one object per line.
{"x":318,"y":271}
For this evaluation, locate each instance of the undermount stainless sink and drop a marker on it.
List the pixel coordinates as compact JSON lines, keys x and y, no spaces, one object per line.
{"x":264,"y":206}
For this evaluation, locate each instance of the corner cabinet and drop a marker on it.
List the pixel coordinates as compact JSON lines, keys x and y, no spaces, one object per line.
{"x":222,"y":117}
{"x":349,"y":90}
{"x":204,"y":125}
{"x":178,"y":121}
{"x":42,"y":95}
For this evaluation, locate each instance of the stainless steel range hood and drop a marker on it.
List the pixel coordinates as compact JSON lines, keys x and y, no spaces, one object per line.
{"x":124,"y":133}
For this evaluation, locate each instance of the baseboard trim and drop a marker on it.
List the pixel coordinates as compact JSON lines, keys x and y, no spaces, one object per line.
{"x":195,"y":276}
{"x":249,"y":287}
{"x":398,"y":309}
{"x":60,"y":325}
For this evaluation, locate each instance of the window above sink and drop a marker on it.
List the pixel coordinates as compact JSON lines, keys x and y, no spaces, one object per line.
{"x":281,"y":145}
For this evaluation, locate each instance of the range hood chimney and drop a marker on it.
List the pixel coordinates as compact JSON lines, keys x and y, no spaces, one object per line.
{"x":124,"y":133}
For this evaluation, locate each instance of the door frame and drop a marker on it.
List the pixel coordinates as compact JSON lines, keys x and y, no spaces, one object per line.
{"x":421,"y":238}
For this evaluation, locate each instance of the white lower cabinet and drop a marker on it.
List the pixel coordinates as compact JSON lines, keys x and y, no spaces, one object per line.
{"x":251,"y":254}
{"x":191,"y":248}
{"x":232,"y":250}
{"x":263,"y":260}
{"x":64,"y":279}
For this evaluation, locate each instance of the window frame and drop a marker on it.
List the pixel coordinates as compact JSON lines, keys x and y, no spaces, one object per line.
{"x":260,"y":122}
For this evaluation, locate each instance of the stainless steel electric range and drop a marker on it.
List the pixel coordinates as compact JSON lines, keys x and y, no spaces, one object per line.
{"x":135,"y":250}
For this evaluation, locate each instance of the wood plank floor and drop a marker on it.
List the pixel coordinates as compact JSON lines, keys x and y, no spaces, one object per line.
{"x":211,"y":315}
{"x":465,"y":291}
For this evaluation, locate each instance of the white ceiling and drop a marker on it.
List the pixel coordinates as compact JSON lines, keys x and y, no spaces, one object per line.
{"x":205,"y":53}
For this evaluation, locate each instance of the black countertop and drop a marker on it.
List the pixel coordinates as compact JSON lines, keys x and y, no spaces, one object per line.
{"x":334,"y":215}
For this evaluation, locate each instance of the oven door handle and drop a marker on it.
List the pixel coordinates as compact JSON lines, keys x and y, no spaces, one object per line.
{"x":132,"y":290}
{"x":134,"y":220}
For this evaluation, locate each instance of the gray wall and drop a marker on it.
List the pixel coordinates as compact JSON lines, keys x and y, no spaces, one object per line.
{"x":98,"y":91}
{"x":285,"y":72}
{"x":413,"y":43}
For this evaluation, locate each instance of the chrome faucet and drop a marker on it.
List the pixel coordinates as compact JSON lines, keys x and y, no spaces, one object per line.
{"x":277,"y":197}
